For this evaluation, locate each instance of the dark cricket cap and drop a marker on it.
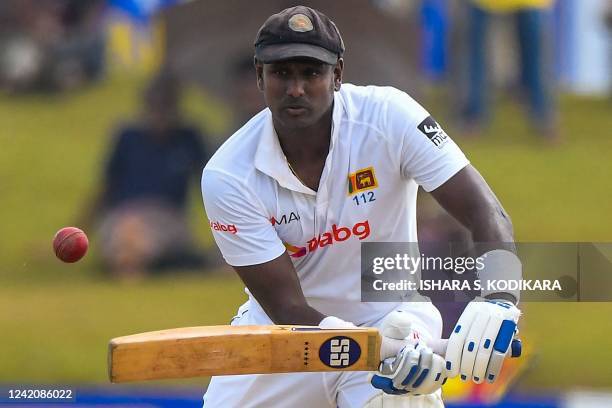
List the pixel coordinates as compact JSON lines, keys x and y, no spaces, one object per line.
{"x":298,"y":32}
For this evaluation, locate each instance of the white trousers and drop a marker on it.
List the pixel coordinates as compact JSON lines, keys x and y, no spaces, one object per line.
{"x":307,"y":390}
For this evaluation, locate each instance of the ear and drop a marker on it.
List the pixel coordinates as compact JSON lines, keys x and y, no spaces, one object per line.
{"x":259,"y":73}
{"x":338,"y":69}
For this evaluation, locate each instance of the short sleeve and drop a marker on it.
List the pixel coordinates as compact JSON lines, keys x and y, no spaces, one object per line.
{"x":427,"y":155}
{"x":238,"y":222}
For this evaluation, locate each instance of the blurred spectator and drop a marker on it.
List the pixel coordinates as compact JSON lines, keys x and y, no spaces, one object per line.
{"x":143,"y":204}
{"x":532,"y":34}
{"x":51,"y":44}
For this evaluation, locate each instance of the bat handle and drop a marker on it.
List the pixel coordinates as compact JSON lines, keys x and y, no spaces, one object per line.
{"x":516,"y":348}
{"x":439,"y":347}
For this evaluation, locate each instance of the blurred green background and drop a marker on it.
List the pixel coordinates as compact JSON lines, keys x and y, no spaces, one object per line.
{"x":56,"y":319}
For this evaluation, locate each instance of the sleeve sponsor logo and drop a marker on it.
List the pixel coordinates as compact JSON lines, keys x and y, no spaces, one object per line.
{"x":361,"y":230}
{"x":285,"y":219}
{"x":362,"y":180}
{"x":218,"y":226}
{"x":434,"y":132}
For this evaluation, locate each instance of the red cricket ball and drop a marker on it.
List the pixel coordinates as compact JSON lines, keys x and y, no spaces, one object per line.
{"x":70,"y":244}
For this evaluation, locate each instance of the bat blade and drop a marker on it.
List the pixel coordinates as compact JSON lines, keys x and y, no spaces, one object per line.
{"x":229,"y":350}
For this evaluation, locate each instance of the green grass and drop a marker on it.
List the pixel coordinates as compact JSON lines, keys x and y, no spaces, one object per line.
{"x":55,"y":319}
{"x":59,"y":332}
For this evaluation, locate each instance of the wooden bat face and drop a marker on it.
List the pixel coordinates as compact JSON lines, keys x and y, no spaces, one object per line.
{"x":227,"y":350}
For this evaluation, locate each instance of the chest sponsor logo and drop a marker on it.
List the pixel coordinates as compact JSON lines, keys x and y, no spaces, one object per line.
{"x":361,"y":230}
{"x":285,"y":219}
{"x":218,"y":226}
{"x":434,"y":132}
{"x":294,"y":251}
{"x":362,"y":180}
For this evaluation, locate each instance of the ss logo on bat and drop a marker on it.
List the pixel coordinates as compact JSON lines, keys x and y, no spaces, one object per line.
{"x":339,"y":352}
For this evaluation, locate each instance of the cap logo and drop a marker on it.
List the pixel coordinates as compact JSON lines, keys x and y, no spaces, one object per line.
{"x":300,"y":23}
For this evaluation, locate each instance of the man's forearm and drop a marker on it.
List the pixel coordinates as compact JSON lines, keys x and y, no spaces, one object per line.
{"x":468,"y":198}
{"x":276,"y":287}
{"x":492,"y":232}
{"x":301,"y":314}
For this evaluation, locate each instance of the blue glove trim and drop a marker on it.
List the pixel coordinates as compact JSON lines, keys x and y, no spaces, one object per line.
{"x":421,"y":378}
{"x":504,"y":337}
{"x":386,"y":385}
{"x":411,"y":374}
{"x":505,"y":305}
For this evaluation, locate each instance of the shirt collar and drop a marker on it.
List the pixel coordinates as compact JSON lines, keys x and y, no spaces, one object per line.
{"x":270,"y":159}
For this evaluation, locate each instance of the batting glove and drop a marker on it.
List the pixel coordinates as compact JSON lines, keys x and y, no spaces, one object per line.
{"x":416,"y":370}
{"x":408,"y":366}
{"x":482,"y":339}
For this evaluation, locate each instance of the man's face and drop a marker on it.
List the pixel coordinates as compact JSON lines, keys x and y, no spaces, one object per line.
{"x":298,"y":91}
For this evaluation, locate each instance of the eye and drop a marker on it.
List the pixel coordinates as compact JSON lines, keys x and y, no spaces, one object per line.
{"x":312,"y":72}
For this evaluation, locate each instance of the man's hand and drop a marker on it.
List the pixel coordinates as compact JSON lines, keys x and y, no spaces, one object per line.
{"x":481,"y":340}
{"x":408,"y":366}
{"x":415,"y":370}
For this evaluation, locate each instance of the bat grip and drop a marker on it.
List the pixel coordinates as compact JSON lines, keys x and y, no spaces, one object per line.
{"x":439,"y":347}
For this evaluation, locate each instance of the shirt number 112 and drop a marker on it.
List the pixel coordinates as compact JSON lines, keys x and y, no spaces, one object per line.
{"x":364,"y":198}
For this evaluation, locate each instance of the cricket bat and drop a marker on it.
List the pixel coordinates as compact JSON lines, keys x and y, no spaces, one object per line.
{"x":228,"y":350}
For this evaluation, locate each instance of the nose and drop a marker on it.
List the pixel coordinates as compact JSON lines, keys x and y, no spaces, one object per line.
{"x":295,"y":88}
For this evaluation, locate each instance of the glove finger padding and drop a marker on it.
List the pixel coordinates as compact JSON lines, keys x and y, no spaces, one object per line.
{"x":434,"y":379}
{"x":485,"y":348}
{"x":456,"y":341}
{"x":412,"y":369}
{"x":501,"y":348}
{"x":481,"y":339}
{"x":471,"y":346}
{"x":407,"y":367}
{"x":416,"y":370}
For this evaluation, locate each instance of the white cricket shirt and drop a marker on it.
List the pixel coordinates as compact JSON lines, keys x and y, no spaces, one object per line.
{"x":383,"y":146}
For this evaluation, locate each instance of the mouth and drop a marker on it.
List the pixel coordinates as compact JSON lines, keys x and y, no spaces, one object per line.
{"x":295,"y":110}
